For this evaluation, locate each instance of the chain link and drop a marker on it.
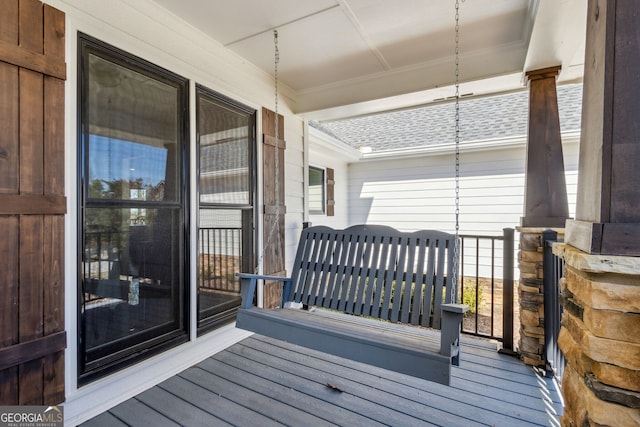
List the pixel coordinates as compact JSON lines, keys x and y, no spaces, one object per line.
{"x":456,"y":247}
{"x":275,"y":226}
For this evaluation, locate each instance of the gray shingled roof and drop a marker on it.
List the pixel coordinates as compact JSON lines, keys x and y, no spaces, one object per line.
{"x":481,"y":119}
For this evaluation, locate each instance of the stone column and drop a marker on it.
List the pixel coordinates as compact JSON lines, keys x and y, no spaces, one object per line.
{"x":531,"y":295}
{"x":545,"y":207}
{"x":600,"y":338}
{"x":607,"y":215}
{"x":600,"y":333}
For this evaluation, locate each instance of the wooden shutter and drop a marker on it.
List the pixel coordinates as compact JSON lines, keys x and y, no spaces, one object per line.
{"x":32,"y":203}
{"x":273,"y":260}
{"x":330,"y":196}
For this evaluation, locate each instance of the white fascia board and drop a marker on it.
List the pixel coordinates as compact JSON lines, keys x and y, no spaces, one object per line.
{"x":321,"y":141}
{"x":469,"y":146}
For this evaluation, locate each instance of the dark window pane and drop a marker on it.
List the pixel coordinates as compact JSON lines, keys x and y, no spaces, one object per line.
{"x":133,"y":128}
{"x":219,"y":259}
{"x":226,"y":146}
{"x":224,"y":154}
{"x":132,"y":297}
{"x":130,"y":277}
{"x":316,"y":190}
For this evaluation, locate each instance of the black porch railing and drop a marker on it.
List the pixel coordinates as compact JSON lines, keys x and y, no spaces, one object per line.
{"x":486,"y":274}
{"x":553,"y":271}
{"x":220,"y":258}
{"x":487,"y":286}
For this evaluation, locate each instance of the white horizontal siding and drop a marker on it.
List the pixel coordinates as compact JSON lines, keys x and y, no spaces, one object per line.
{"x":294,"y":186}
{"x":324,"y":157}
{"x":419,"y":193}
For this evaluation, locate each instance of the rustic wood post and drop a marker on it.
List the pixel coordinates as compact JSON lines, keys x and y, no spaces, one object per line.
{"x":607,"y":215}
{"x":545,"y":202}
{"x":545,"y":206}
{"x":601,"y":291}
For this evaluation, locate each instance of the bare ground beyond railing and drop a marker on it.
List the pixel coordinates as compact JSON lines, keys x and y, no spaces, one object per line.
{"x":480,"y":321}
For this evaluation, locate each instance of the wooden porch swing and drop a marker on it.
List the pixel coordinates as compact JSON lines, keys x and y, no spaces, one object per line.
{"x":369,"y":293}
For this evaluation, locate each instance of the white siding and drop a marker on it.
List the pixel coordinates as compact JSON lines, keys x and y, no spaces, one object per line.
{"x":294,"y":186}
{"x":324,"y":156}
{"x":419,"y":193}
{"x":142,"y":28}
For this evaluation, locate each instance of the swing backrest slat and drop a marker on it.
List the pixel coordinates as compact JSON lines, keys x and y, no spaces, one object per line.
{"x":375,"y":271}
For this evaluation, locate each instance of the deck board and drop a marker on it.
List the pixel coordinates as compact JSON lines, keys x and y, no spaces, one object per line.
{"x":253,"y":396}
{"x":261,"y":381}
{"x":107,"y":419}
{"x":133,"y":411}
{"x":391,"y":387}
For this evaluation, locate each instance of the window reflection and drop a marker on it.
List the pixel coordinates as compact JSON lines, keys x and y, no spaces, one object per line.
{"x":132,"y":292}
{"x":225,"y":238}
{"x":126,"y":170}
{"x":224,"y":154}
{"x":129,"y":271}
{"x":316,"y":190}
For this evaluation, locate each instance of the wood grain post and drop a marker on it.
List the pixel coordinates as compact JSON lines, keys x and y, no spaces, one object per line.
{"x":601,"y":291}
{"x":607,"y":215}
{"x":545,"y":202}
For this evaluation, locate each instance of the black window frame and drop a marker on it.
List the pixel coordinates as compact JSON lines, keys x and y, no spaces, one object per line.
{"x":160,"y":340}
{"x":249,"y":211}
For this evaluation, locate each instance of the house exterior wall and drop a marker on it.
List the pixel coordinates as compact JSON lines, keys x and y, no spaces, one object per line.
{"x":412,"y":193}
{"x":330,"y":159}
{"x":294,"y":186}
{"x":141,"y":28}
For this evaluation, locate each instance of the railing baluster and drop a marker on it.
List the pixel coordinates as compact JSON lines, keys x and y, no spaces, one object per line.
{"x":553,"y":270}
{"x":507,"y":290}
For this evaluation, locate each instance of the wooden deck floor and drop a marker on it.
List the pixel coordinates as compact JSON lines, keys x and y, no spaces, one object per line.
{"x":264,"y":382}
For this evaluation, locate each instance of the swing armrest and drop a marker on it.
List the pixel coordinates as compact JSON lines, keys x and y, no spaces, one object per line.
{"x":452,"y":315}
{"x":455,"y":308}
{"x":248,"y":286}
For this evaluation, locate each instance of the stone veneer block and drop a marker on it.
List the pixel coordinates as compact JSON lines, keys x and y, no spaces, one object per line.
{"x":583,"y":406}
{"x":617,"y":376}
{"x":606,"y":373}
{"x":613,"y":324}
{"x":600,"y":339}
{"x":530,"y":256}
{"x":589,"y":263}
{"x":530,"y":241}
{"x":531,"y":295}
{"x":607,"y":292}
{"x":620,"y":353}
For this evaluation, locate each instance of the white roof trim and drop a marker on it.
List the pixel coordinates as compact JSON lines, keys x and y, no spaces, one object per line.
{"x":321,"y":140}
{"x":467,"y":146}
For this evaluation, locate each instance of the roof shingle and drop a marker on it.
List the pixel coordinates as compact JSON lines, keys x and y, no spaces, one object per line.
{"x":481,"y":119}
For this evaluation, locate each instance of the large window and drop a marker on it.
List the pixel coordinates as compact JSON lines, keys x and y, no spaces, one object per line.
{"x":132,"y":145}
{"x":226,"y":147}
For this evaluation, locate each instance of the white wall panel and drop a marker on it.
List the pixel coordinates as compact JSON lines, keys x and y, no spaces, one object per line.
{"x":326,"y":158}
{"x":142,"y":28}
{"x":419,"y":193}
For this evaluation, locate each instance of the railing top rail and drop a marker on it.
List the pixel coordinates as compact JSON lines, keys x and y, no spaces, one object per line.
{"x":479,"y":236}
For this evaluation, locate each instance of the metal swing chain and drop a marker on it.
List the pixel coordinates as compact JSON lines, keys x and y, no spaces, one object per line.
{"x":456,"y":248}
{"x":276,"y":224}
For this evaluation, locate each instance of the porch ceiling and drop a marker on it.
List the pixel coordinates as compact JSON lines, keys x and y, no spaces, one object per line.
{"x":349,"y":57}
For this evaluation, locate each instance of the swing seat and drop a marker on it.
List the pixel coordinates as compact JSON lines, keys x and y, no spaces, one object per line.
{"x":369,"y":293}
